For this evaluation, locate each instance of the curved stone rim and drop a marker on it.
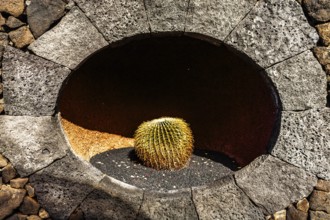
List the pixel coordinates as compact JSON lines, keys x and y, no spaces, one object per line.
{"x":247,"y":33}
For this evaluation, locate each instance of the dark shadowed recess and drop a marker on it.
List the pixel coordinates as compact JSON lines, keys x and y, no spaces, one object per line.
{"x":228,"y":101}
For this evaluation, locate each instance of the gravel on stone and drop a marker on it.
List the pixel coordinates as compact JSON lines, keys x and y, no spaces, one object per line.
{"x":204,"y":168}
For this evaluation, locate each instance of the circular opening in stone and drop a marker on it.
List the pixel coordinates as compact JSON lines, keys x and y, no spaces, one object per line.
{"x":225,"y":97}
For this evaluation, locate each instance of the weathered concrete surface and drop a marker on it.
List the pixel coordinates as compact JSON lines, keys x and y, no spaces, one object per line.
{"x":177,"y":204}
{"x":304,"y":141}
{"x":273,"y":184}
{"x":30,"y":143}
{"x":31,"y":84}
{"x":300,"y":86}
{"x":112,"y":200}
{"x":116,"y":19}
{"x":72,"y":40}
{"x":63,"y":185}
{"x":224,"y":200}
{"x":167,"y":15}
{"x":273,"y":31}
{"x":216,"y":18}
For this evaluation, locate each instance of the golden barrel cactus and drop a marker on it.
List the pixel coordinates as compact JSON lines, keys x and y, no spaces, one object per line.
{"x":164,"y":143}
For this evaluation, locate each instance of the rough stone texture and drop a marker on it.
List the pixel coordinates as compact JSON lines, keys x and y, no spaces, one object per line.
{"x":10,"y":199}
{"x":3,"y":39}
{"x":116,"y":19}
{"x":224,"y":200}
{"x":72,"y":40}
{"x":168,"y":205}
{"x":42,"y":13}
{"x":318,"y":9}
{"x":303,"y":205}
{"x":319,"y":215}
{"x":320,"y":201}
{"x":31,"y":84}
{"x":273,"y":31}
{"x":273,"y":184}
{"x":43,"y":213}
{"x":21,"y":37}
{"x":18,"y":183}
{"x":216,"y":18}
{"x":36,"y":139}
{"x":2,"y":20}
{"x":167,"y":15}
{"x":280,"y":215}
{"x":13,"y":7}
{"x":323,"y":185}
{"x":69,"y":181}
{"x":29,"y":206}
{"x":33,"y":217}
{"x":112,"y":200}
{"x":324,"y":32}
{"x":295,"y":214}
{"x":3,"y":42}
{"x":300,"y":86}
{"x":30,"y":190}
{"x":8,"y":173}
{"x":13,"y":22}
{"x":2,"y":107}
{"x":3,"y":161}
{"x":304,"y":141}
{"x":322,"y":54}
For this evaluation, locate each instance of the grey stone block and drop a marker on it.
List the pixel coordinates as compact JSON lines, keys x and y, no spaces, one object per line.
{"x":300,"y":86}
{"x":30,"y":143}
{"x":31,"y":84}
{"x":176,"y":204}
{"x":273,"y":184}
{"x":226,"y":201}
{"x":167,"y":15}
{"x":116,"y":19}
{"x":112,"y":200}
{"x":273,"y":31}
{"x":63,"y":185}
{"x":304,"y":141}
{"x":72,"y":40}
{"x":216,"y":18}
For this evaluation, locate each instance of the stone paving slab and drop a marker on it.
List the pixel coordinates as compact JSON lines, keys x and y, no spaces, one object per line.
{"x":116,"y":19}
{"x":273,"y":31}
{"x":304,"y":141}
{"x":72,"y":40}
{"x":176,"y":204}
{"x":63,"y":185}
{"x":216,"y":18}
{"x":30,"y":143}
{"x":112,"y":199}
{"x":31,"y":84}
{"x":226,"y":201}
{"x":165,"y":16}
{"x":300,"y":86}
{"x":273,"y":184}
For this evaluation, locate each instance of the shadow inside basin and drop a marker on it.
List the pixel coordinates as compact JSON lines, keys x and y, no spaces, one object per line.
{"x":228,"y":102}
{"x":204,"y":168}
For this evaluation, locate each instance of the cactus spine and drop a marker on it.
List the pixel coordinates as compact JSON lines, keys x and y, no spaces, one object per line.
{"x":164,"y":143}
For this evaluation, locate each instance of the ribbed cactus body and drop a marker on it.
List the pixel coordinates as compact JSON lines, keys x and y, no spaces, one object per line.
{"x":164,"y":143}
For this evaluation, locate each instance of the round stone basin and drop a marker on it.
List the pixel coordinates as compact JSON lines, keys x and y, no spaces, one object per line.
{"x":228,"y":101}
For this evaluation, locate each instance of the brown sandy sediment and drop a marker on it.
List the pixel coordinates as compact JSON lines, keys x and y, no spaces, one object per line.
{"x":87,"y":143}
